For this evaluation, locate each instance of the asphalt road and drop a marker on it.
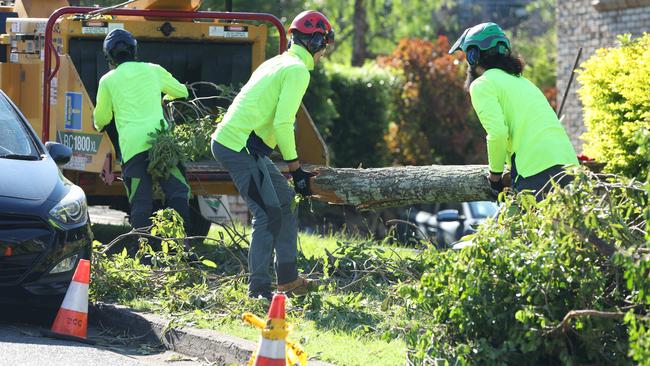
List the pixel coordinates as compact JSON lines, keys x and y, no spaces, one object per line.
{"x":21,"y":343}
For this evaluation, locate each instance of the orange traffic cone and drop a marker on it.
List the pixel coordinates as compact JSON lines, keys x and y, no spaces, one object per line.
{"x":71,"y":321}
{"x":271,"y":351}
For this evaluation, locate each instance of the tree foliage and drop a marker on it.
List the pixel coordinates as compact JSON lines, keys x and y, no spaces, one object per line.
{"x":505,"y":299}
{"x":535,"y":40}
{"x":385,"y":20}
{"x":616,"y":102}
{"x":386,"y":23}
{"x":433,"y":119}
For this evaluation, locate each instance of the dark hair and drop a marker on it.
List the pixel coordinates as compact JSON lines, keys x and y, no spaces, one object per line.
{"x":491,"y":59}
{"x":123,"y":57}
{"x":123,"y":52}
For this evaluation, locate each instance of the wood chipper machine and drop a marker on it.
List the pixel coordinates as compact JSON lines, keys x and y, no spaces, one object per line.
{"x":51,"y":61}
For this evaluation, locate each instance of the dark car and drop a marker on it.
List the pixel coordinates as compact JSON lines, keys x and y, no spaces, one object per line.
{"x":44,"y":226}
{"x":446,"y":223}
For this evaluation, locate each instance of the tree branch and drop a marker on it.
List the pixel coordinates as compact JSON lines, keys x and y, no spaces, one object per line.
{"x":565,"y":324}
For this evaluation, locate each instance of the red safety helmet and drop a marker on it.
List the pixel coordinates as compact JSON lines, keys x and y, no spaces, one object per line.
{"x":311,"y":21}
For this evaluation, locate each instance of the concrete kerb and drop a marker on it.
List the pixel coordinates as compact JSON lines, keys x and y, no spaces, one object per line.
{"x":222,"y":349}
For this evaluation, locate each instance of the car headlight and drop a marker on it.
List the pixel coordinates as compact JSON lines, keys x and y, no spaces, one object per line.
{"x":72,"y":209}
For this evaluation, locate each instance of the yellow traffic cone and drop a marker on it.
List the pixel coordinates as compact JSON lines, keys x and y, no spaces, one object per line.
{"x":271,"y":350}
{"x":274,"y":334}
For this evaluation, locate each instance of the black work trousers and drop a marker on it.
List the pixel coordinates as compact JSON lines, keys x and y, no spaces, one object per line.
{"x":139,"y":189}
{"x":539,"y":184}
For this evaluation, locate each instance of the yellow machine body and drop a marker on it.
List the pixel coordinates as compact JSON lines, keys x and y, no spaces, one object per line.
{"x":78,"y":42}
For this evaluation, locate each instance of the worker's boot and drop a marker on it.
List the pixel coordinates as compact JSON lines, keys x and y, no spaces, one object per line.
{"x":299,"y":287}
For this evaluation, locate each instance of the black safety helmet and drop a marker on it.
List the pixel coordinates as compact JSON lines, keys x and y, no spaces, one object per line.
{"x":120,"y":46}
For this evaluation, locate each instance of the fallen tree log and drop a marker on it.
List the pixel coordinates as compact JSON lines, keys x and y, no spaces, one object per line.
{"x":399,"y":186}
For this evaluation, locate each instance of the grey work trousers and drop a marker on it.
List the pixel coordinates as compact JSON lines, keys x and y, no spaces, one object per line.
{"x":269,"y":197}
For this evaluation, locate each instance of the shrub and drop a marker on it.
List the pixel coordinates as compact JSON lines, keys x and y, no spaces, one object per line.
{"x":433,"y":120}
{"x":362,"y":101}
{"x":502,"y":301}
{"x":616,"y":103}
{"x":318,"y":100}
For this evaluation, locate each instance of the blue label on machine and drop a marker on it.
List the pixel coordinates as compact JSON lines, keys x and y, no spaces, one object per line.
{"x":73,"y":111}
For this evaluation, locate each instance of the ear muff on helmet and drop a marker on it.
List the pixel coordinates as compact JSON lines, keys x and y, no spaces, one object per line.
{"x":502,"y":49}
{"x":312,"y":42}
{"x":473,"y":55}
{"x":316,"y":43}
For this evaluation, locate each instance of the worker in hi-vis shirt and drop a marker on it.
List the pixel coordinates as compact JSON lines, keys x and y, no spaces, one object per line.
{"x":131,"y":95}
{"x":260,"y":118}
{"x":522,"y":128}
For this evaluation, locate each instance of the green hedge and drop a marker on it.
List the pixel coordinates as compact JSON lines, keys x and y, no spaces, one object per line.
{"x":350,"y":106}
{"x":362,"y":101}
{"x":318,"y":100}
{"x":615,"y":94}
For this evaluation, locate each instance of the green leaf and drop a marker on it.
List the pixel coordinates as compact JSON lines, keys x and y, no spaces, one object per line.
{"x":209,"y":263}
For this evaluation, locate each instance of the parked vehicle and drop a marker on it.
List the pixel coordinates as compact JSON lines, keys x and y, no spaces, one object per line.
{"x":194,"y":46}
{"x":446,"y":223}
{"x":44,"y":226}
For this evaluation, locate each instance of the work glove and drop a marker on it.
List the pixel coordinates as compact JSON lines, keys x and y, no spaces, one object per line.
{"x":496,"y":187}
{"x":301,"y":182}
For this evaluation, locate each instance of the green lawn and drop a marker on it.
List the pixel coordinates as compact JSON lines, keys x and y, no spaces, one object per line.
{"x":327,"y":345}
{"x":350,"y":321}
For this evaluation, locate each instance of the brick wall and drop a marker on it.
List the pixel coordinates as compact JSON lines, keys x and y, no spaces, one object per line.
{"x":591,"y":25}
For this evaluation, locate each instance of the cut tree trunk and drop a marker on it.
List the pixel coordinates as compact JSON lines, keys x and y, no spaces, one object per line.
{"x":390,"y":187}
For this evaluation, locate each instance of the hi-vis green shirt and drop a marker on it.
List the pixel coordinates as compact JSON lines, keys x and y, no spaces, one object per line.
{"x":519,"y":120}
{"x":268,"y":103}
{"x":131,"y":93}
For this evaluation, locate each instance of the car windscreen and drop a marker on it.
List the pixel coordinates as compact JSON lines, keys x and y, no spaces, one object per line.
{"x":483,"y":209}
{"x":14,"y":138}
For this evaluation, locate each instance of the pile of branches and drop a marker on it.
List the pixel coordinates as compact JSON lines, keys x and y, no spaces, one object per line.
{"x":185,"y":137}
{"x":168,"y":270}
{"x":562,"y":281}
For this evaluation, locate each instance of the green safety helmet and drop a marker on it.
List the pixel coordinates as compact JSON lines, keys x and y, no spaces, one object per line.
{"x":481,"y":37}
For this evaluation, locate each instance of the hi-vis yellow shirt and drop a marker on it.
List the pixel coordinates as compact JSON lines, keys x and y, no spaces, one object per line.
{"x":131,"y":93}
{"x":268,"y":103}
{"x":519,"y":120}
